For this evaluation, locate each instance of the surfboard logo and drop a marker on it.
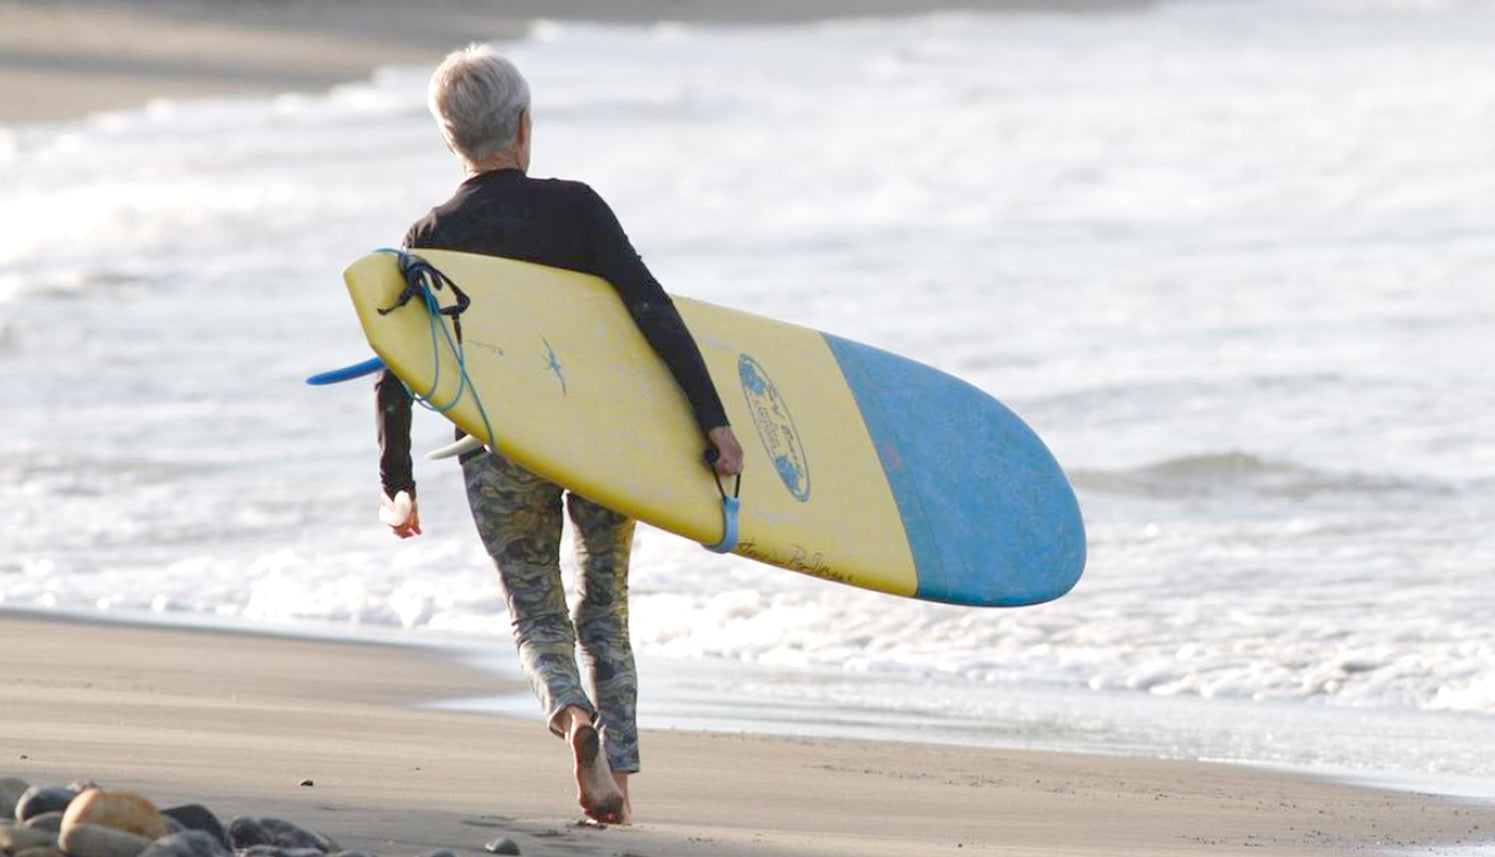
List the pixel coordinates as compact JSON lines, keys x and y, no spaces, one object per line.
{"x":775,"y":427}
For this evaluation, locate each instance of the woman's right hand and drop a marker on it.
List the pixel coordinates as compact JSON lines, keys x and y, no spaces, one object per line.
{"x":402,"y":514}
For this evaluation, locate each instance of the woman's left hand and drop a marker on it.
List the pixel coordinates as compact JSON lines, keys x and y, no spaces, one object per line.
{"x":728,"y":461}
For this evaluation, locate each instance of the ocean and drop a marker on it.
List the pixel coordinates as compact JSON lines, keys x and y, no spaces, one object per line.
{"x":1228,"y":257}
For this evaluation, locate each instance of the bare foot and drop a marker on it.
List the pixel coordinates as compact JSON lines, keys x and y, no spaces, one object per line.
{"x":596,"y":790}
{"x":621,"y":779}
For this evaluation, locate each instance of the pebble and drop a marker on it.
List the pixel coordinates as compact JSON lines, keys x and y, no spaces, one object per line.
{"x":51,"y":821}
{"x":502,"y":845}
{"x":121,"y":810}
{"x":40,"y":799}
{"x":13,"y":839}
{"x":84,"y":839}
{"x":193,"y":843}
{"x":11,"y":789}
{"x":194,"y":816}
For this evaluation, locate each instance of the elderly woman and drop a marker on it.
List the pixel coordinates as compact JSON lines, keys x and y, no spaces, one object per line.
{"x":481,"y":104}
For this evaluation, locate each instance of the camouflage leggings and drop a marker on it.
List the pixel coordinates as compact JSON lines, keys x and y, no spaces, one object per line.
{"x":518,"y":515}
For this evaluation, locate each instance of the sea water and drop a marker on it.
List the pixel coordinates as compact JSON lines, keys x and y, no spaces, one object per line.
{"x":1230,"y":259}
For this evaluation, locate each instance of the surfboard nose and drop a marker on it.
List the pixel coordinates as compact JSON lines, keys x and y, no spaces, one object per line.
{"x":990,"y":518}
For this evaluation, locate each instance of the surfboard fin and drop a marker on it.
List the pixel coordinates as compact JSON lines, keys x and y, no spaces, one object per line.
{"x":461,"y":447}
{"x":347,"y":373}
{"x":730,"y":505}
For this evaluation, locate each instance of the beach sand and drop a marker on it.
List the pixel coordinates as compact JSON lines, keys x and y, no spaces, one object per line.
{"x":237,"y":722}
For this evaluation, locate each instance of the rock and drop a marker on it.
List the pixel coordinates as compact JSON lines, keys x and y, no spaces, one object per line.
{"x":245,"y":832}
{"x":84,"y":839}
{"x":502,"y":845}
{"x":194,"y":816}
{"x":13,"y":839}
{"x":277,"y":851}
{"x":49,"y":821}
{"x":11,"y":789}
{"x":121,"y":810}
{"x":274,"y":837}
{"x":41,"y":799}
{"x":193,"y":843}
{"x":289,"y":836}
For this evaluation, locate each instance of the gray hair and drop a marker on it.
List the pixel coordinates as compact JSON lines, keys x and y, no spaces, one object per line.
{"x":477,"y":98}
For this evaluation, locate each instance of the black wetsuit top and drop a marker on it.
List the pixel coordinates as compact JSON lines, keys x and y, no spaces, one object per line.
{"x":563,"y":224}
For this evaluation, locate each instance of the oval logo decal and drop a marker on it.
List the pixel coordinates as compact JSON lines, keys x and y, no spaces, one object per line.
{"x":775,"y":427}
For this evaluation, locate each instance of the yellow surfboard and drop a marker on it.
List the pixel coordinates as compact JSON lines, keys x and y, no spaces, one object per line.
{"x":860,"y":467}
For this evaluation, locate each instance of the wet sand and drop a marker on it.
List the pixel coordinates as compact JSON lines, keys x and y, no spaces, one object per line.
{"x":238,"y":721}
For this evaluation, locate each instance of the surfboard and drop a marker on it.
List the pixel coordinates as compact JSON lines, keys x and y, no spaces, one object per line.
{"x":861,"y":467}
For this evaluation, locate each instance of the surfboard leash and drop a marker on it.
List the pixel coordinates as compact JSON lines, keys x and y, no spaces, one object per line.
{"x":423,"y":280}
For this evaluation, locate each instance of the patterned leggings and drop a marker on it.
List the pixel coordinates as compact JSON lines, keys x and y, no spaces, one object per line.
{"x":518,"y":515}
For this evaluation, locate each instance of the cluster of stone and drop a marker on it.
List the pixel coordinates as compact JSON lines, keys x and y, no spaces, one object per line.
{"x":83,"y":820}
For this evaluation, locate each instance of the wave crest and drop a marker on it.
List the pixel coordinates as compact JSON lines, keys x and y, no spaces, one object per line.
{"x":1235,"y":472}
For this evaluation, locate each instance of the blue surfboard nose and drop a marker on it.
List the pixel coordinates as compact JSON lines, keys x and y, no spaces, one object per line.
{"x":989,"y":515}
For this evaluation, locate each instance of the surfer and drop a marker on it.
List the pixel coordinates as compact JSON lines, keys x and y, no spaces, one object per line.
{"x":481,"y":104}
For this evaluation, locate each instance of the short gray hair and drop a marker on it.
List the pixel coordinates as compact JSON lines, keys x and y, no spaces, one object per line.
{"x":477,"y":98}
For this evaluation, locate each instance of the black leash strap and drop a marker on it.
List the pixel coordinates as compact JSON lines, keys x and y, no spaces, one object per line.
{"x":423,"y":279}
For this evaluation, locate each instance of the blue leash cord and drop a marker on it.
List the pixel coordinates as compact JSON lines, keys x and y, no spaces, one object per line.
{"x":424,"y":280}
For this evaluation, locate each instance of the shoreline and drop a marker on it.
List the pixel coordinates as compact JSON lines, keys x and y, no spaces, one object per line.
{"x":695,"y":697}
{"x":67,"y":59}
{"x":235,"y":721}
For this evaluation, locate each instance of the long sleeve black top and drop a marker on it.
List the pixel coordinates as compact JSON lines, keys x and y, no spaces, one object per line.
{"x":563,"y":224}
